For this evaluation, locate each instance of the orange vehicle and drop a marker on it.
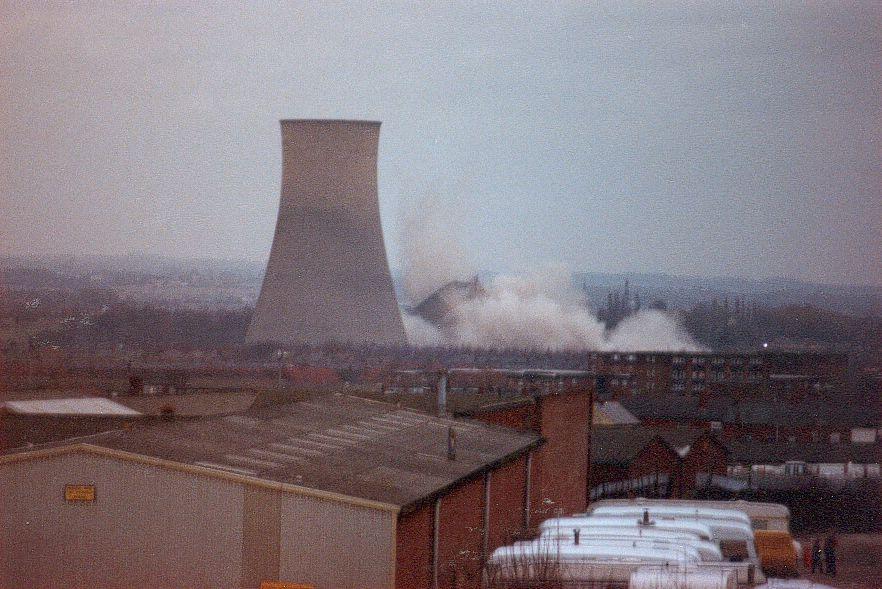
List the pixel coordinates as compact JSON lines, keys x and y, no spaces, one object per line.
{"x":777,"y":553}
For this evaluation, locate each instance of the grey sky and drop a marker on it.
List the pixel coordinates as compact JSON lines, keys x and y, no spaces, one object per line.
{"x":684,"y":138}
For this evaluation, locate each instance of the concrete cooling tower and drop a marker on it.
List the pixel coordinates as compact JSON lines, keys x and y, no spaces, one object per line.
{"x":327,"y":278}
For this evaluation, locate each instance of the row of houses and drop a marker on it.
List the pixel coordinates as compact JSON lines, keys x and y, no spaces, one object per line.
{"x":631,"y":455}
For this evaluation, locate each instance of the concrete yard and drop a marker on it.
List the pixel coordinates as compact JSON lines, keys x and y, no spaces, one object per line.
{"x":859,"y":563}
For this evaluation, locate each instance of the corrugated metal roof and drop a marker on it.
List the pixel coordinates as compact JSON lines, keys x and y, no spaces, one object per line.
{"x":192,"y":404}
{"x":336,"y":443}
{"x":73,"y":406}
{"x":614,"y":414}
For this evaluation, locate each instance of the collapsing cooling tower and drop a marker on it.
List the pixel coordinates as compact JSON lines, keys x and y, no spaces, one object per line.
{"x":327,"y":278}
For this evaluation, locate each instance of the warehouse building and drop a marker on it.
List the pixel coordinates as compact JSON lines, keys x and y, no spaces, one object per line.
{"x":553,"y":404}
{"x":556,"y":405}
{"x":333,"y":490}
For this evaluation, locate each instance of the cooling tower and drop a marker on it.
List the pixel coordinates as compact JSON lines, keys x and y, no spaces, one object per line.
{"x":327,"y":278}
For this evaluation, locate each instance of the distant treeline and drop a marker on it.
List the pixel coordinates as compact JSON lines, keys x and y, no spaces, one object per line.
{"x":152,"y":328}
{"x":721,"y":325}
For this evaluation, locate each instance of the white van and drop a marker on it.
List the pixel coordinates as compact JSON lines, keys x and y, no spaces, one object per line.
{"x":701,"y":530}
{"x":763,"y":516}
{"x":577,"y":563}
{"x":708,"y":550}
{"x":672,"y":511}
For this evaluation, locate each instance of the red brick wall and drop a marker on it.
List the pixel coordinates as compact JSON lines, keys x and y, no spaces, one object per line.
{"x":460,"y":538}
{"x":657,"y":457}
{"x":704,"y":456}
{"x":562,"y":484}
{"x":606,"y":473}
{"x":461,"y":542}
{"x":507,"y":502}
{"x":413,"y":552}
{"x":523,"y":417}
{"x":559,"y":479}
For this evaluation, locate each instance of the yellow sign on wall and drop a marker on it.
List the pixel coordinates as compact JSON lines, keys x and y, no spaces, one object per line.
{"x":79,"y":492}
{"x":281,"y":585}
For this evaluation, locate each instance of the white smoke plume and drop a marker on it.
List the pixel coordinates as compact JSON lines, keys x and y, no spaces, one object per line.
{"x":420,"y":332}
{"x":431,"y":249}
{"x":541,"y":310}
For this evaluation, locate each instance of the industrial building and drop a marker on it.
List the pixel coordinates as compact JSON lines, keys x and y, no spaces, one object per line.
{"x":554,"y":404}
{"x":783,"y":376}
{"x":328,"y":279}
{"x":331,"y":490}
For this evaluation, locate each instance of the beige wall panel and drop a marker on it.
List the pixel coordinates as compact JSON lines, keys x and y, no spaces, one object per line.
{"x":335,"y":546}
{"x":148,"y":526}
{"x":260,"y":548}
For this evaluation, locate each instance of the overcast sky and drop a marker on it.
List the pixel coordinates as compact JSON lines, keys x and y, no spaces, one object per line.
{"x":698,"y":139}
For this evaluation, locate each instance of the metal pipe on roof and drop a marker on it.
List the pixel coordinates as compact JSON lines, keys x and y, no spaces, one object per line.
{"x":451,"y":443}
{"x":485,"y":533}
{"x":436,"y":537}
{"x":528,"y":479}
{"x":441,"y":388}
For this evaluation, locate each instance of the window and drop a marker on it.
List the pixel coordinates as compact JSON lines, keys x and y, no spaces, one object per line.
{"x":794,"y":468}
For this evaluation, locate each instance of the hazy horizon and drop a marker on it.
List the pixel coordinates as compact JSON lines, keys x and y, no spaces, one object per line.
{"x":687,"y":139}
{"x":396,"y":270}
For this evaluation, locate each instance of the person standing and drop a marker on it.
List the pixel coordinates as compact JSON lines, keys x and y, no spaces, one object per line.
{"x":830,"y":554}
{"x":816,"y":556}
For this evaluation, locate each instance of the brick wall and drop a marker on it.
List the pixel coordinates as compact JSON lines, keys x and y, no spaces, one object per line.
{"x":460,"y":532}
{"x":413,"y":553}
{"x":507,"y":503}
{"x":705,"y":455}
{"x":520,"y":417}
{"x":460,"y":539}
{"x":657,"y":457}
{"x":565,"y":423}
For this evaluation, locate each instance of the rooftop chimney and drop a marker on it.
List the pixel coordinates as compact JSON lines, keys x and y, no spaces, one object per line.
{"x":442,"y":394}
{"x":451,"y":444}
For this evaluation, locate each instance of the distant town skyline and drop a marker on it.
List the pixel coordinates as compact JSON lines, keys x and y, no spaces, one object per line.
{"x":686,"y":139}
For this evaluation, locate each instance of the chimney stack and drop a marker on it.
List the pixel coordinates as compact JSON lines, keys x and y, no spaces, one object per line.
{"x":442,"y":394}
{"x":451,"y":443}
